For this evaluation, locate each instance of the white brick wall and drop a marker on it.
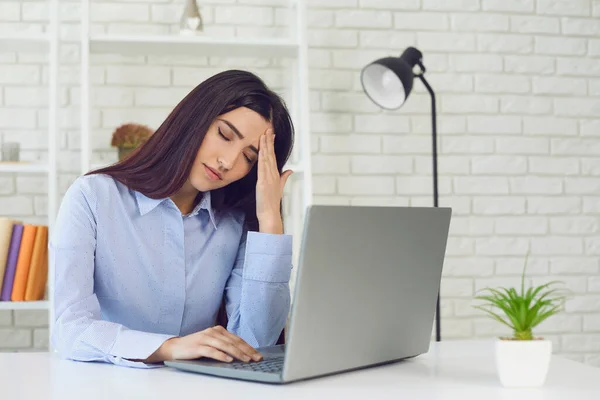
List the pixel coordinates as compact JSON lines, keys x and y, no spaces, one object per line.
{"x":517,"y":83}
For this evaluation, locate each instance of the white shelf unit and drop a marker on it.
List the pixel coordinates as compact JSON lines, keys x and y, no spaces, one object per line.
{"x":23,"y":167}
{"x":293,"y":47}
{"x":27,"y":43}
{"x":177,"y":45}
{"x":25,"y":305}
{"x":46,"y":42}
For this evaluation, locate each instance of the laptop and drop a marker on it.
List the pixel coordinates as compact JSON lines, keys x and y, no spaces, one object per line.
{"x":365,"y":294}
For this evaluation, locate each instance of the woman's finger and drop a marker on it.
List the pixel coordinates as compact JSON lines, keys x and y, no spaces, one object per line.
{"x":261,"y":159}
{"x":218,"y":343}
{"x":240,"y":343}
{"x":236,"y":340}
{"x":211,"y":352}
{"x":265,"y":146}
{"x":272,"y":155}
{"x":269,"y":137}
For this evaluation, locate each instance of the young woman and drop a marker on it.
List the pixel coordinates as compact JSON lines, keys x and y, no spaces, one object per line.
{"x":144,"y":252}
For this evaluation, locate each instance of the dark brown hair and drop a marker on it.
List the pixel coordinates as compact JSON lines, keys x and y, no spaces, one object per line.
{"x":161,"y":166}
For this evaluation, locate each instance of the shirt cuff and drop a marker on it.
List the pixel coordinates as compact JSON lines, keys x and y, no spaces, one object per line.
{"x":268,"y":257}
{"x":122,"y":362}
{"x":135,"y":345}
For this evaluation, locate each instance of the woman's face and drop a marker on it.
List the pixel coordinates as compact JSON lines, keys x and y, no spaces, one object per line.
{"x":229,"y":149}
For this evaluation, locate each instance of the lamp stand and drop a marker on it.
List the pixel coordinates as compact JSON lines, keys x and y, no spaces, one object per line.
{"x":438,"y":328}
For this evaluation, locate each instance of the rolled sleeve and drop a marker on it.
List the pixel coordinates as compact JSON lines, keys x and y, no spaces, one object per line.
{"x":257,"y":292}
{"x":268,"y":257}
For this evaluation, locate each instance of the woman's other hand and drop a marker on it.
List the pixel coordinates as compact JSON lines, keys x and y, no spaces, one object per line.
{"x":216,"y":343}
{"x":269,"y":186}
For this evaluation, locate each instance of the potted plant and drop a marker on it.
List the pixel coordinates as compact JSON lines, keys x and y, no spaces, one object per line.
{"x":522,"y":360}
{"x":128,"y":137}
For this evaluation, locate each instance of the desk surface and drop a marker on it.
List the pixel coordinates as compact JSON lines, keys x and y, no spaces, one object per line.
{"x":450,"y":370}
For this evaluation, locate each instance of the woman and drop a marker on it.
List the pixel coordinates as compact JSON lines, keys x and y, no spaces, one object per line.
{"x":145,"y":251}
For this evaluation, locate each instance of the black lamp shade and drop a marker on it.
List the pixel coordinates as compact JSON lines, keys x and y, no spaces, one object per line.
{"x":388,"y":81}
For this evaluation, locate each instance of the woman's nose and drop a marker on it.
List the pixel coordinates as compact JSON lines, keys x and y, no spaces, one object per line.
{"x":224,"y":163}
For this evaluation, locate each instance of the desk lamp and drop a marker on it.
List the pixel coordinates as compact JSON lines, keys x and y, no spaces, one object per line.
{"x":388,"y":82}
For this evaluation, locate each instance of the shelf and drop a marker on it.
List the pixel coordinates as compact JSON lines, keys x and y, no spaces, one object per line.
{"x":29,"y":167}
{"x":192,"y":45}
{"x":24,"y":305}
{"x":24,"y":43}
{"x":298,"y":169}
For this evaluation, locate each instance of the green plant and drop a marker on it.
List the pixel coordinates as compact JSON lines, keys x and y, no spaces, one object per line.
{"x":523,"y":311}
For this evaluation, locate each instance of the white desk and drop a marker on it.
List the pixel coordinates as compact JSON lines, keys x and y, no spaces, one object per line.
{"x":451,"y":370}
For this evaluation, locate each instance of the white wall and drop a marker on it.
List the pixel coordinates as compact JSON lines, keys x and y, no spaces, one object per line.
{"x":517,"y":84}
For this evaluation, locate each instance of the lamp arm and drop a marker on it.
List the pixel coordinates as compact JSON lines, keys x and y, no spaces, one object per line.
{"x":438,"y":329}
{"x":433,"y":138}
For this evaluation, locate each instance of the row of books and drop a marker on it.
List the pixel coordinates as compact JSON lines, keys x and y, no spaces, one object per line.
{"x":23,"y":260}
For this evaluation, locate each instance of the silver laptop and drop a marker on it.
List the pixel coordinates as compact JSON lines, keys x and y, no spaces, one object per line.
{"x":365,"y":294}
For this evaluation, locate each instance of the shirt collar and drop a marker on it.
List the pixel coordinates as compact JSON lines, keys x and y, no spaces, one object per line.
{"x":205,"y":203}
{"x":146,"y":204}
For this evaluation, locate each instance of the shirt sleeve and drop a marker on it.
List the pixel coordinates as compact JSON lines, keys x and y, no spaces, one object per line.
{"x":257,"y":294}
{"x":79,"y":333}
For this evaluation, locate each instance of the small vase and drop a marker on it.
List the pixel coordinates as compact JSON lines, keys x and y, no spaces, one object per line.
{"x":10,"y":151}
{"x":124,"y":152}
{"x":191,"y":20}
{"x":523,"y":363}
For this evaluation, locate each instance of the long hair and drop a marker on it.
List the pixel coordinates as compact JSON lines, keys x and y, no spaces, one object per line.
{"x":160,"y":167}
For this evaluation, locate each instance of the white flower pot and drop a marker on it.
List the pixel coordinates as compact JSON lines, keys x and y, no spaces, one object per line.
{"x":523,"y":363}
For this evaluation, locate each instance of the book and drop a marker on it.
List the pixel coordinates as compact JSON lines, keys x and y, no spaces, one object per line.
{"x":6,"y":228}
{"x":11,"y":262}
{"x":23,"y":262}
{"x":38,"y":272}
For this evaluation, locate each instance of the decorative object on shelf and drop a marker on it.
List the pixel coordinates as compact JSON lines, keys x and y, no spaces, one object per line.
{"x":11,"y":262}
{"x":522,"y":360}
{"x":10,"y":151}
{"x":191,"y":21}
{"x":6,"y":233}
{"x":128,"y":137}
{"x":388,"y":82}
{"x":23,"y":261}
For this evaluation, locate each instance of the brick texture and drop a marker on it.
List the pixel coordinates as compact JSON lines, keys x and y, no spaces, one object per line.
{"x":517,"y":94}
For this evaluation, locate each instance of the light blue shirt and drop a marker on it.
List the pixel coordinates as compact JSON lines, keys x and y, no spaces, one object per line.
{"x":131,"y":272}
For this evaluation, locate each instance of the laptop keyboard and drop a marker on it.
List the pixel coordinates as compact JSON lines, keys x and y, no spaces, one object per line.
{"x":272,"y":365}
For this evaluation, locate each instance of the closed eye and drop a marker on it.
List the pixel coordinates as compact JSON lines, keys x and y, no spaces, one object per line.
{"x":223,"y":136}
{"x":249,"y":159}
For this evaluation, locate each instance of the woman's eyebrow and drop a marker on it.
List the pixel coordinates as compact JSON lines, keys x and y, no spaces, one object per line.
{"x":238,"y":133}
{"x":233,"y":128}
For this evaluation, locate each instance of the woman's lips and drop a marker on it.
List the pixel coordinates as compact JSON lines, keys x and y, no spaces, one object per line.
{"x":212,"y":174}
